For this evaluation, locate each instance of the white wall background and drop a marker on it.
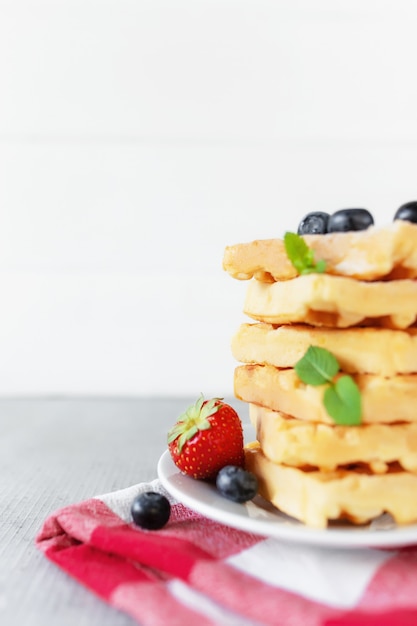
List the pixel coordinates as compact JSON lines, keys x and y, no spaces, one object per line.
{"x":138,"y":138}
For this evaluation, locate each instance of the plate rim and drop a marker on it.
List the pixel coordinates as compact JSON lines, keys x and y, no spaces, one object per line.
{"x":293,"y":531}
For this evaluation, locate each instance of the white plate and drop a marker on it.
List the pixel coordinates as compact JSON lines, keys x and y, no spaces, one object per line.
{"x":261,"y":518}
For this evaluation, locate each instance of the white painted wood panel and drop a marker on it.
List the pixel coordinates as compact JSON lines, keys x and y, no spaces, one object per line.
{"x":138,"y":139}
{"x":208,"y":69}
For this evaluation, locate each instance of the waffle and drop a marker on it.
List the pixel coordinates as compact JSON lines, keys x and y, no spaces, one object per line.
{"x":363,"y":310}
{"x":284,"y":439}
{"x":316,"y":497}
{"x":372,"y":254}
{"x":358,"y":350}
{"x":384,"y":400}
{"x":333,"y":301}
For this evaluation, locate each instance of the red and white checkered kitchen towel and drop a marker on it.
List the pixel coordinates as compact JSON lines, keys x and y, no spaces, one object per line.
{"x":197,"y":571}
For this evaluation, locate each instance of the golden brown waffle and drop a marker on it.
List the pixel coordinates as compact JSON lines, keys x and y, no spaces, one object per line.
{"x":384,"y":400}
{"x":315,"y":497}
{"x":334,"y":301}
{"x":371,"y":254}
{"x":363,"y":310}
{"x":358,"y":350}
{"x":296,"y":442}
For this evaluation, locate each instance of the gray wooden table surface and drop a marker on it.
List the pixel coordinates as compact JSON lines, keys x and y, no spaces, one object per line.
{"x":55,"y":452}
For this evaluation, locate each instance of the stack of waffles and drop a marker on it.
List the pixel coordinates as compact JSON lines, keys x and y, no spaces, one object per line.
{"x":363,"y":310}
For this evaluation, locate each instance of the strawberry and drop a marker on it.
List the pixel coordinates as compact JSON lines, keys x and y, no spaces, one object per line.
{"x":205,"y":438}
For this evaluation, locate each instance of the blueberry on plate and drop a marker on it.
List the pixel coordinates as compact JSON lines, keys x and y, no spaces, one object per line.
{"x":349,"y":219}
{"x":237,"y":484}
{"x":150,"y":510}
{"x":314,"y":223}
{"x":407,"y":212}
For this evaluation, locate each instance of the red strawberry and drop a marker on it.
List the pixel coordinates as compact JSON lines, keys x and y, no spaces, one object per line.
{"x":205,"y":438}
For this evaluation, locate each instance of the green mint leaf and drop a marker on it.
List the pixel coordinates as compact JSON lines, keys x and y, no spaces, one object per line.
{"x":317,"y":268}
{"x":342,"y":401}
{"x":321,"y":266}
{"x":297,"y":251}
{"x":317,"y":366}
{"x":301,"y":256}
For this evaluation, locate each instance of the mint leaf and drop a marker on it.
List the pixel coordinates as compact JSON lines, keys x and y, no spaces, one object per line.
{"x":317,"y":366}
{"x":301,"y":256}
{"x":342,"y":401}
{"x":319,"y":268}
{"x":341,"y":398}
{"x":297,"y":251}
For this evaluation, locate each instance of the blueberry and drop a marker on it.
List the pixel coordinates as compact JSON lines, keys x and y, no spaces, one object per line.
{"x":349,"y":219}
{"x":150,"y":510}
{"x":236,"y":484}
{"x":407,"y":212}
{"x":314,"y":223}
